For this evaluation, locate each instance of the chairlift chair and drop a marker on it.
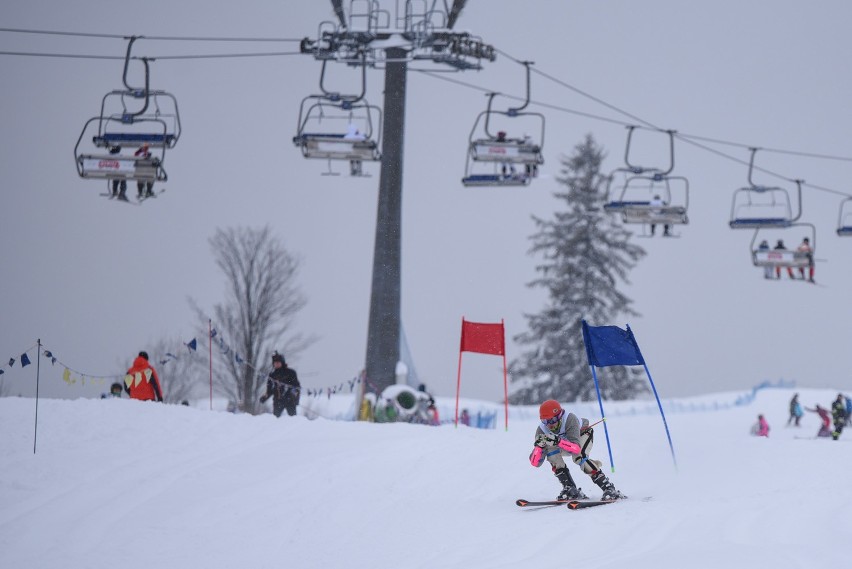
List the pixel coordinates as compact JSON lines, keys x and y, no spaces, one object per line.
{"x":755,"y":207}
{"x":120,"y":126}
{"x":333,"y":126}
{"x":506,"y":153}
{"x":330,"y":141}
{"x":641,"y":184}
{"x":108,"y":166}
{"x":635,"y":203}
{"x":784,"y":258}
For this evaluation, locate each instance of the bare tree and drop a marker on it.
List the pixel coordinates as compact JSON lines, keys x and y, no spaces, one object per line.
{"x":257,"y":316}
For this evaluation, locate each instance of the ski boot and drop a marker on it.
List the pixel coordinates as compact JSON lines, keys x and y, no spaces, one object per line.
{"x":609,"y":490}
{"x":569,"y":489}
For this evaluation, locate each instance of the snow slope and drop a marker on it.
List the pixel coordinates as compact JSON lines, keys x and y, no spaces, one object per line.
{"x":122,"y":484}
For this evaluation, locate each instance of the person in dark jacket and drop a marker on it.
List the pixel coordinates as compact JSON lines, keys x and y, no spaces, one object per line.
{"x":838,"y":413}
{"x":283,"y":386}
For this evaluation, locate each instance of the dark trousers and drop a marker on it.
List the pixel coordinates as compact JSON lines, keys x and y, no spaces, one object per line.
{"x":838,"y":428}
{"x":281,"y":403}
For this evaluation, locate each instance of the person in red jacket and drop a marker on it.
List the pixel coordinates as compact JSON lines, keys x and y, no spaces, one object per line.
{"x":142,"y":381}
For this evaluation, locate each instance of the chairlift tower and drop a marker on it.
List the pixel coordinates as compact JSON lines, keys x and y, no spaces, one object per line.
{"x":420,"y":32}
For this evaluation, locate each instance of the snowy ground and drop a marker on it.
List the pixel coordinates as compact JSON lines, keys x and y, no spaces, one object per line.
{"x":121,"y":484}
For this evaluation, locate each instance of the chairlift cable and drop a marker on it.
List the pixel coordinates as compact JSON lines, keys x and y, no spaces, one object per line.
{"x":686,"y":138}
{"x":156,"y":38}
{"x":516,"y":98}
{"x":153,"y":58}
{"x":65,"y":55}
{"x":578,"y":91}
{"x":774,"y":150}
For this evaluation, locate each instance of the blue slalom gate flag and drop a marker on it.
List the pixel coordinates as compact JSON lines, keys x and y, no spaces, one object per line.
{"x":610,"y":346}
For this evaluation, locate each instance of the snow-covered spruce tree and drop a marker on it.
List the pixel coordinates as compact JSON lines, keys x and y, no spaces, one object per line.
{"x":586,"y":254}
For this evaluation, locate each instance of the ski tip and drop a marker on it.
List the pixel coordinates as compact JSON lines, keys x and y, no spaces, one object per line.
{"x":522,"y":503}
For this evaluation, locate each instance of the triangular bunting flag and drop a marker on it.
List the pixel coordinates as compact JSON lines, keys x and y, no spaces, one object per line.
{"x":25,"y":360}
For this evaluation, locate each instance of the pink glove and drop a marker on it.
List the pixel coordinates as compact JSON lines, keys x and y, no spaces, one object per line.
{"x":568,"y":446}
{"x":537,"y":456}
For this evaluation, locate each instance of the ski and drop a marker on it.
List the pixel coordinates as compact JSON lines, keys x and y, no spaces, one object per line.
{"x":574,"y":504}
{"x":580,"y":504}
{"x":571,"y":504}
{"x":141,"y":199}
{"x":524,"y":503}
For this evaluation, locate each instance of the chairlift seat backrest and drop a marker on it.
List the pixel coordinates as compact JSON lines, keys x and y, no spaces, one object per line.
{"x":648,"y":214}
{"x":638,"y":211}
{"x":510,"y":151}
{"x":336,"y":147}
{"x":111,"y":167}
{"x":782,"y":258}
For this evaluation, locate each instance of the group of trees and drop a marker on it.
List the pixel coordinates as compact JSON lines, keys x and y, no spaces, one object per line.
{"x":585,"y":254}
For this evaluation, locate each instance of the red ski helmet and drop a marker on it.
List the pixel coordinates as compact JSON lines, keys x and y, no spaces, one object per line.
{"x":550,"y":409}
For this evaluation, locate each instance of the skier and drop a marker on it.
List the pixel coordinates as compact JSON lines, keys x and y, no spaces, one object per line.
{"x":562,"y":434}
{"x":795,"y":411}
{"x":825,"y":428}
{"x":142,"y":381}
{"x":848,"y":410}
{"x":761,"y":428}
{"x":838,"y":413}
{"x":283,"y":386}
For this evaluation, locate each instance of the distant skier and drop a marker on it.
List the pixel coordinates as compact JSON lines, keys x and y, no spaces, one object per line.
{"x":825,"y":428}
{"x":848,"y":410}
{"x":795,"y":411}
{"x":561,"y":434}
{"x":761,"y":428}
{"x":142,"y":381}
{"x":283,"y":386}
{"x":838,"y":413}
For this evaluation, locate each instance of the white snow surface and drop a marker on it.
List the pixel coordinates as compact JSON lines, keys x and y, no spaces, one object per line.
{"x":123,"y":484}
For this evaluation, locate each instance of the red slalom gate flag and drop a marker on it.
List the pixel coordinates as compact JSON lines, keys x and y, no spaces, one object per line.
{"x":488,"y":339}
{"x":483,"y":338}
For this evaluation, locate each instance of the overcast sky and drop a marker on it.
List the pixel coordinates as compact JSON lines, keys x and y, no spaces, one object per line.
{"x":97,"y":281}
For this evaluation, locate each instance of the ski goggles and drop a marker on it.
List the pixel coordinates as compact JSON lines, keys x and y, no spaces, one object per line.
{"x":553,"y":420}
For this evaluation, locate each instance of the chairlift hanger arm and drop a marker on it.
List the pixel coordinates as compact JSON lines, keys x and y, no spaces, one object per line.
{"x":346,"y":100}
{"x":488,"y":115}
{"x":515,"y":110}
{"x":640,"y":169}
{"x":138,"y":93}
